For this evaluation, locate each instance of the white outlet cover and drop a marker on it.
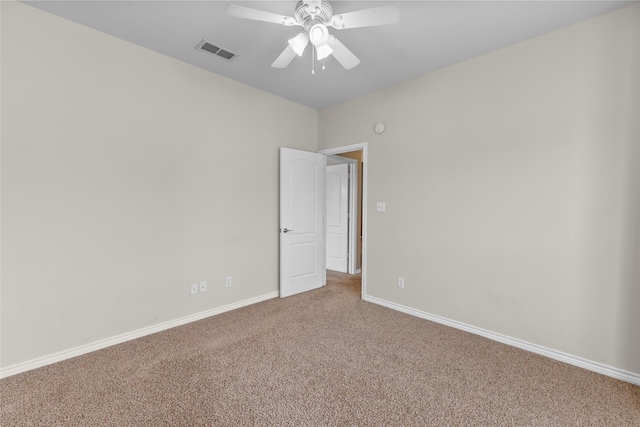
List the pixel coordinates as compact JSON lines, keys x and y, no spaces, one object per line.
{"x":381,"y":206}
{"x":194,"y":288}
{"x":228,"y":281}
{"x":203,"y":286}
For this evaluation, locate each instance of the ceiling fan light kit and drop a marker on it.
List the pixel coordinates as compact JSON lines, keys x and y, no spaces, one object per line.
{"x":318,"y":34}
{"x":299,"y":43}
{"x":314,"y":16}
{"x":323,"y":51}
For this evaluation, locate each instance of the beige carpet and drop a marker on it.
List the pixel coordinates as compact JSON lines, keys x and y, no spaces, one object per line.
{"x":323,"y":358}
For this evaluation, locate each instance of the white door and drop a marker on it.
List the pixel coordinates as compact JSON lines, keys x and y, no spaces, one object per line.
{"x":337,"y":208}
{"x":302,"y":249}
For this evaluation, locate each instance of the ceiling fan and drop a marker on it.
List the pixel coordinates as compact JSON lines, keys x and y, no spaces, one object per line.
{"x":314,"y":16}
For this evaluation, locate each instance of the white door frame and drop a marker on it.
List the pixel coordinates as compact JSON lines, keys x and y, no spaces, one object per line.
{"x":361,"y":146}
{"x":353,"y":216}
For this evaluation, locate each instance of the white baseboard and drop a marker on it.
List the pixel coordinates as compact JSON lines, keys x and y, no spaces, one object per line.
{"x":600,"y":368}
{"x":88,"y":348}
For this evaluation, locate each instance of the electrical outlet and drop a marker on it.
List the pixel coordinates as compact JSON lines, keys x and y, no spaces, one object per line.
{"x":194,"y":288}
{"x":228,"y":282}
{"x":203,"y":286}
{"x":401,"y":282}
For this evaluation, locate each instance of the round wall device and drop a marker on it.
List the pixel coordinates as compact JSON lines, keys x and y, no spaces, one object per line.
{"x":379,"y":127}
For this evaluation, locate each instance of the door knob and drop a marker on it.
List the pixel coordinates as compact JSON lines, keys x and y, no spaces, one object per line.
{"x":286,"y":230}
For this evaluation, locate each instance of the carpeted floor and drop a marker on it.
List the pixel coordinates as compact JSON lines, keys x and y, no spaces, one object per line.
{"x":322,"y":358}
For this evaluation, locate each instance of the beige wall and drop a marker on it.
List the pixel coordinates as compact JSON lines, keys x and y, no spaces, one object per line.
{"x":512,"y":184}
{"x":126,"y":176}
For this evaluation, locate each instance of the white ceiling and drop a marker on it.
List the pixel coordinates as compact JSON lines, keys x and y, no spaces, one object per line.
{"x":429,"y":36}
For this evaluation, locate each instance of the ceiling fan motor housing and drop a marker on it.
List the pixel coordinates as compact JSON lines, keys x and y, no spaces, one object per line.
{"x":324,"y":16}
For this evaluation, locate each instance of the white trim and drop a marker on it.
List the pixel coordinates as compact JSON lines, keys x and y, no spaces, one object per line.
{"x":353,"y":215}
{"x":600,"y":368}
{"x":364,"y":147}
{"x":98,"y":345}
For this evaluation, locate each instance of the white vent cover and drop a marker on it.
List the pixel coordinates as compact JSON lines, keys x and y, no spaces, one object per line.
{"x":220,"y":52}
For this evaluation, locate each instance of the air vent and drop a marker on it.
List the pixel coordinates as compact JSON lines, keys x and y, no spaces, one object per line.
{"x":207,"y":46}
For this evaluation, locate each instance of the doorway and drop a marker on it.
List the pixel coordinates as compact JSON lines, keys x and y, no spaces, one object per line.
{"x":302,"y":218}
{"x":359,"y":153}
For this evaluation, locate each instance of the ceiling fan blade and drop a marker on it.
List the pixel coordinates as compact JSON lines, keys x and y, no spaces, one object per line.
{"x":259,"y":15}
{"x":285,"y":58}
{"x":344,"y":56}
{"x":382,"y":15}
